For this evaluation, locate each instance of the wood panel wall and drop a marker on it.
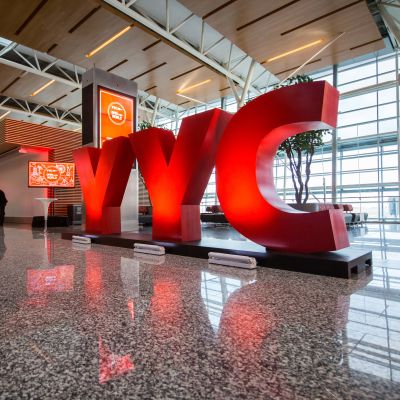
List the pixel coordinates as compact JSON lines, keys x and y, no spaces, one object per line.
{"x":62,"y":142}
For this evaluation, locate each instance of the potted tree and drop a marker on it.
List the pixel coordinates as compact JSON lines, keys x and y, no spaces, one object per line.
{"x":300,"y":150}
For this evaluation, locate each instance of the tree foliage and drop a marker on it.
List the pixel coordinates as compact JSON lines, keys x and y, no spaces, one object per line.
{"x":301,"y":148}
{"x":144,"y":125}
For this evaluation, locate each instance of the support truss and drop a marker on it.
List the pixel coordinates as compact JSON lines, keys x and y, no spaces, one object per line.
{"x":210,"y":48}
{"x":32,"y":109}
{"x":44,"y":65}
{"x":41,"y":64}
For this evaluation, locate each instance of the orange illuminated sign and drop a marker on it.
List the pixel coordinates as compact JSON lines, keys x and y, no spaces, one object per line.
{"x":116,"y":115}
{"x":51,"y":174}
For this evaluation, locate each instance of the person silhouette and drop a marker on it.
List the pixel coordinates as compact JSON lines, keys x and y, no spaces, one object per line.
{"x":3,"y":202}
{"x":3,"y":247}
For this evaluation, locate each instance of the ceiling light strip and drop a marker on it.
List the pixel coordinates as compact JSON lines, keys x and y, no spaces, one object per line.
{"x":109,"y":41}
{"x":42,"y":88}
{"x":186,"y":89}
{"x":296,"y":50}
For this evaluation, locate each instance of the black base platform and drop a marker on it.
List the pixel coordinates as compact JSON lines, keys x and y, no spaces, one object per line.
{"x":52,"y":221}
{"x":346,"y":263}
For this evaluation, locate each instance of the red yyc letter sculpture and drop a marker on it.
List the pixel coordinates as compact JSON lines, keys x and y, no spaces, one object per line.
{"x":176,"y":172}
{"x":245,"y":158}
{"x":103,"y":174}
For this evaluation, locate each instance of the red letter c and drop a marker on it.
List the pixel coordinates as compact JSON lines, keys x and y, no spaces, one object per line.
{"x":245,"y":161}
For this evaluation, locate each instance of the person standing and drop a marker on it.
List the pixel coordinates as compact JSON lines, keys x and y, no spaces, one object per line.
{"x":3,"y":202}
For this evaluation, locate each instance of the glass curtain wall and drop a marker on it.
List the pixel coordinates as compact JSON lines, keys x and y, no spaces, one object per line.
{"x":367,"y":161}
{"x":367,"y":153}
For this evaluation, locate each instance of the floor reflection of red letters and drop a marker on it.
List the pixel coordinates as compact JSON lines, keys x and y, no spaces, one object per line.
{"x":112,"y":365}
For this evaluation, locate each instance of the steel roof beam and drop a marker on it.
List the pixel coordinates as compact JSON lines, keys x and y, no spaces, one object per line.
{"x":195,"y":51}
{"x":44,"y":65}
{"x":38,"y":110}
{"x":11,"y":56}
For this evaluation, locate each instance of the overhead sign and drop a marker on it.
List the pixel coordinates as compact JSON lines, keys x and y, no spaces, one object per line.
{"x":51,"y":174}
{"x":116,"y":115}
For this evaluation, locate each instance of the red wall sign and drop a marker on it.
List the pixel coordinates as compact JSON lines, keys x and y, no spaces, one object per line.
{"x":176,"y":172}
{"x":116,"y":115}
{"x":51,"y":174}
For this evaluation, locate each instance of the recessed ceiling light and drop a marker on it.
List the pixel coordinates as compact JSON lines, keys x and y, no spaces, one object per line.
{"x":186,"y":89}
{"x":109,"y":41}
{"x":287,"y":53}
{"x":43,"y":87}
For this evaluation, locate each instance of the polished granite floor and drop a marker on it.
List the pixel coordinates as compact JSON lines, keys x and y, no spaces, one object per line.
{"x":95,"y":322}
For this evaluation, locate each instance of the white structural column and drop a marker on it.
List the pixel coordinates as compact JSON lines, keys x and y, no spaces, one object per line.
{"x":153,"y":117}
{"x":390,"y":14}
{"x":247,"y":84}
{"x":398,"y":121}
{"x":334,"y":145}
{"x":234,"y":90}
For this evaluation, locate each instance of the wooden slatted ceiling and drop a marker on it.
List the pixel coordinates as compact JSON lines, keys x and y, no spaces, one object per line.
{"x":48,"y":26}
{"x":7,"y":76}
{"x":113,"y":67}
{"x":264,"y":39}
{"x":73,"y":47}
{"x":63,"y":142}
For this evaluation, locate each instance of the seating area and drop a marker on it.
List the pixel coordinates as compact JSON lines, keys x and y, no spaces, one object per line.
{"x":145,"y":216}
{"x":214,"y":214}
{"x":356,"y":218}
{"x":351,"y":218}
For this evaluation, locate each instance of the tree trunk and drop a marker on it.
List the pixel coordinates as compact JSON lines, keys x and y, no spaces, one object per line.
{"x":292,"y":165}
{"x":309,"y":158}
{"x":299,"y":176}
